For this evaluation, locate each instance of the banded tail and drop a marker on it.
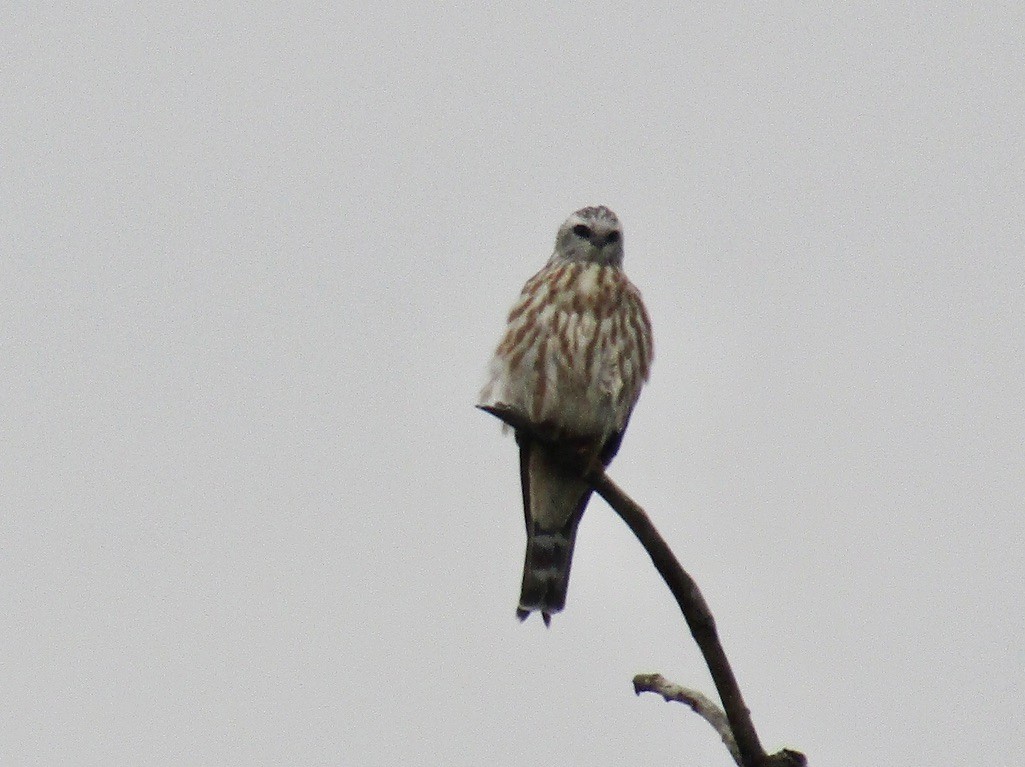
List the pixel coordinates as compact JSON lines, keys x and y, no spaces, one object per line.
{"x":554,"y":499}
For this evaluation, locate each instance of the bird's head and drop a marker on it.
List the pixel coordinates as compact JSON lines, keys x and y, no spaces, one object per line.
{"x":591,"y":235}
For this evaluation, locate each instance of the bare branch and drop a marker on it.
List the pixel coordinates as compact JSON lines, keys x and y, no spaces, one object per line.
{"x":701,"y":704}
{"x":695,"y":611}
{"x":684,"y":589}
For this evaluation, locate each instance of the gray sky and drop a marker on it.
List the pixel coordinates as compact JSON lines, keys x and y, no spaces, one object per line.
{"x":256,"y":257}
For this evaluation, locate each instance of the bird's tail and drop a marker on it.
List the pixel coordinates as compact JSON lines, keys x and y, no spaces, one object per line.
{"x":546,"y":572}
{"x":555,"y":496}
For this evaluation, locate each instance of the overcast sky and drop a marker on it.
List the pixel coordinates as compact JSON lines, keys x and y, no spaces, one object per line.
{"x":257,"y":255}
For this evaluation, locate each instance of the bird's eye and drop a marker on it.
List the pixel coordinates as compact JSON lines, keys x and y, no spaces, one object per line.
{"x":582,"y":231}
{"x":613,"y":237}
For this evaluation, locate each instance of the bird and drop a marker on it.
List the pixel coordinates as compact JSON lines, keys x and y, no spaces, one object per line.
{"x":576,"y":351}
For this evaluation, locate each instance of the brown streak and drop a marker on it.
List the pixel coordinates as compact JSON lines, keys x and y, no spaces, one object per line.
{"x":519,"y":309}
{"x":627,"y":348}
{"x":610,"y":297}
{"x":636,"y":334}
{"x":528,"y":296}
{"x":515,"y":337}
{"x":540,"y":364}
{"x":517,"y":358}
{"x":562,"y":333}
{"x":577,"y":304}
{"x":591,"y":349}
{"x":572,"y":272}
{"x":641,"y":332}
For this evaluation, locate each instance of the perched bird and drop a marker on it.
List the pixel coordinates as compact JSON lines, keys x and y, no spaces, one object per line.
{"x":575,"y":354}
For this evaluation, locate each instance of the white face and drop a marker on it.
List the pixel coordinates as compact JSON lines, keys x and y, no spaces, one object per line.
{"x":593,"y":235}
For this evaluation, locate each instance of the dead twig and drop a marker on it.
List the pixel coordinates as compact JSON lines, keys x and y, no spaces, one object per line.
{"x":699,"y":703}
